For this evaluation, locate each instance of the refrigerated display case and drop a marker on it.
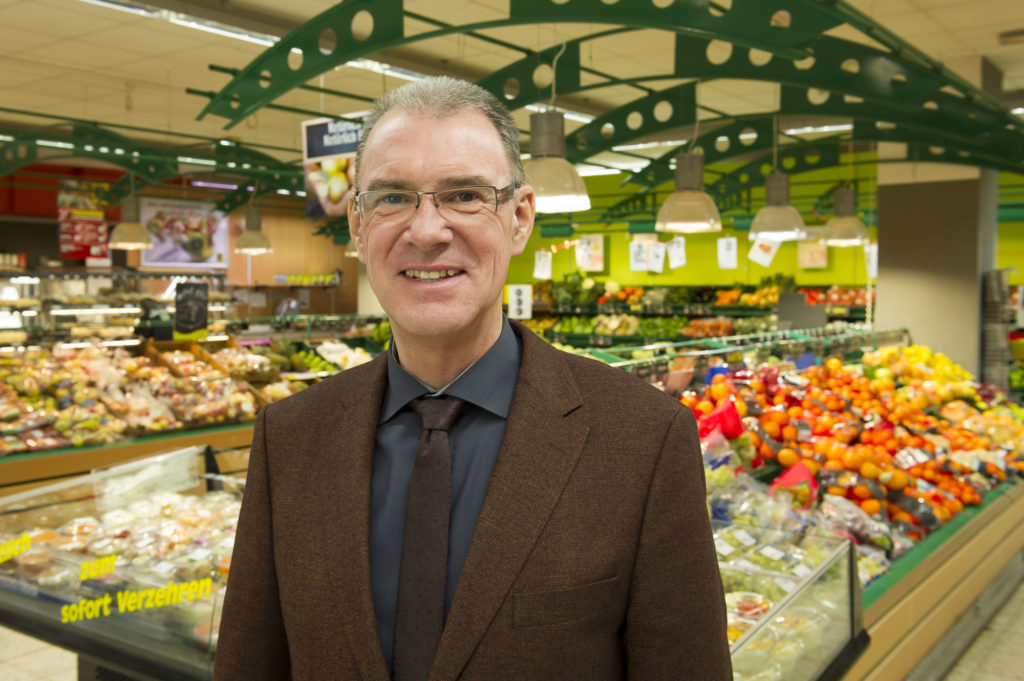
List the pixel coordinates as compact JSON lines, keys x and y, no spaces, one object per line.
{"x":124,"y":566}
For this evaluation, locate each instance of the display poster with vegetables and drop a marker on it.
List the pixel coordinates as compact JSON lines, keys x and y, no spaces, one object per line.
{"x":728,"y":253}
{"x":328,"y":160}
{"x":186,"y":234}
{"x":676,"y":252}
{"x":811,"y":255}
{"x":590,"y":253}
{"x":81,"y":219}
{"x":763,"y":251}
{"x":191,"y":310}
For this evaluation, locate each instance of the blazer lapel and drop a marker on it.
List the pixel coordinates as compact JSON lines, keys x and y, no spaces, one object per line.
{"x":346,"y":452}
{"x":538,"y":453}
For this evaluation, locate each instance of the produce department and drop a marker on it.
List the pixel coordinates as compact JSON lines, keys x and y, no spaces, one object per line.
{"x":799,"y":220}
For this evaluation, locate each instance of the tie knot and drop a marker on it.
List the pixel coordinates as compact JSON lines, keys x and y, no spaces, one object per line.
{"x":438,"y":413}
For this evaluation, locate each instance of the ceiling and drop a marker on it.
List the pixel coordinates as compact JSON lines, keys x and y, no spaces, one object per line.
{"x":77,"y":59}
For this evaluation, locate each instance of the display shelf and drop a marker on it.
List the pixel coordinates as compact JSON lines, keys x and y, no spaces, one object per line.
{"x":909,"y":612}
{"x":851,"y":313}
{"x":19,"y":472}
{"x":108,"y":273}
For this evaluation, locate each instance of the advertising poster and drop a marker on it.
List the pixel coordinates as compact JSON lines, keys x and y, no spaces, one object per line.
{"x":81,"y":220}
{"x":328,"y":161}
{"x":186,"y":234}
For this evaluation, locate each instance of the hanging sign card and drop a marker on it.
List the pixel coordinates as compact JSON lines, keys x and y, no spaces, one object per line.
{"x":191,"y":304}
{"x":728,"y":253}
{"x":590,"y":253}
{"x":638,"y":256}
{"x":542,"y":265}
{"x":656,"y":257}
{"x":676,"y":252}
{"x":763,"y":251}
{"x":811,"y":255}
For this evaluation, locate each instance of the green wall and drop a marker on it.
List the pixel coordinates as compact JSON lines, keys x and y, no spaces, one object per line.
{"x":846,"y":266}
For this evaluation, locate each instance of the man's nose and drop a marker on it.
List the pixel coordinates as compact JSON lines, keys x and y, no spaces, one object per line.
{"x":428,"y":227}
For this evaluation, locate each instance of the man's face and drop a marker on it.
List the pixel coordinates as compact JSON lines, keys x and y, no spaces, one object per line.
{"x":468,"y":255}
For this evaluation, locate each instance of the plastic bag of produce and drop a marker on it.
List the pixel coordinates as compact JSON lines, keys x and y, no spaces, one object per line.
{"x":845,"y":517}
{"x":800,"y":483}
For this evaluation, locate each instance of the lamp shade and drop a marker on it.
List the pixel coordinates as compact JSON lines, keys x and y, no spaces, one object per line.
{"x":777,"y":220}
{"x":253,"y":241}
{"x":558,"y":187}
{"x":845,"y":228}
{"x":689,"y":209}
{"x":129,"y":234}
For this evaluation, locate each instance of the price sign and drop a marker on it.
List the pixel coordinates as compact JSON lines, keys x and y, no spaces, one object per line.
{"x":763,"y":251}
{"x":520,"y":301}
{"x":542,"y":265}
{"x":656,"y":260}
{"x":677,"y":252}
{"x":191,"y":305}
{"x":728,"y":253}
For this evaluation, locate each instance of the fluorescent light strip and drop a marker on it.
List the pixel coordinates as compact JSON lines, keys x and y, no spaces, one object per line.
{"x":571,"y":115}
{"x":24,"y":280}
{"x":54,"y":144}
{"x":843,"y":127}
{"x":6,"y":138}
{"x":131,"y":8}
{"x":95,"y":310}
{"x":1019,"y":110}
{"x":29,"y":313}
{"x":196,"y":161}
{"x":649,"y":145}
{"x":591,"y":171}
{"x":214,"y":185}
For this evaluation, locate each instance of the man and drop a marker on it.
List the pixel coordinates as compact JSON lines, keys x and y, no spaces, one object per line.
{"x":577,"y":543}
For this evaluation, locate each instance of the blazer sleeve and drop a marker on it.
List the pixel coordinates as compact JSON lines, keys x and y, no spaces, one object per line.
{"x":676,"y":620}
{"x":252,"y":644}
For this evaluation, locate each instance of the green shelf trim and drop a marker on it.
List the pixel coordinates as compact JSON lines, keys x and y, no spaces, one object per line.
{"x":166,"y":437}
{"x":905,"y":564}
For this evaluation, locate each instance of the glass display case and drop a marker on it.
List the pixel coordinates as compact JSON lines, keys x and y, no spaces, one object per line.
{"x":124,"y":566}
{"x":793,"y":602}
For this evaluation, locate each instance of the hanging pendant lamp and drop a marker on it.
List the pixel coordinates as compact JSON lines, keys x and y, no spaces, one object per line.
{"x":845,"y":228}
{"x":558,"y":187}
{"x":777,"y":220}
{"x":689,"y":209}
{"x":129,"y":234}
{"x":253,"y":241}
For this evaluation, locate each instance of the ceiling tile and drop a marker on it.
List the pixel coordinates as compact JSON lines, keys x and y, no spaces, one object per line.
{"x":63,"y":21}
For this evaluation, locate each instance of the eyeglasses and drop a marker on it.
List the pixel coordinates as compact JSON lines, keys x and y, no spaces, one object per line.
{"x":458,"y":202}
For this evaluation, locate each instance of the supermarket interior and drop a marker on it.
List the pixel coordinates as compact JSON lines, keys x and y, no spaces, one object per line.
{"x":802,"y":219}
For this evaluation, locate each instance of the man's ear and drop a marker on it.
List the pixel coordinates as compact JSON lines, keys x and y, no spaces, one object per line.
{"x":355,"y":225}
{"x":522,"y":220}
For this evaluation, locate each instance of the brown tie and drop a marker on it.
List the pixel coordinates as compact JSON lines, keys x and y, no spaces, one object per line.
{"x":421,"y":579}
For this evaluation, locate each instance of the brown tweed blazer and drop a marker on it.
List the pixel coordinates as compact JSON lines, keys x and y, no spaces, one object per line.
{"x":592,"y":558}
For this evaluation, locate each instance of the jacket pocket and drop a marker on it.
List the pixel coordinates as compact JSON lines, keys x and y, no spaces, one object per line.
{"x":537,"y":608}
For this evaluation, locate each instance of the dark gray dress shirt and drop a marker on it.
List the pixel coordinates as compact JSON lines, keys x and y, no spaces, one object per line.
{"x":487,"y":386}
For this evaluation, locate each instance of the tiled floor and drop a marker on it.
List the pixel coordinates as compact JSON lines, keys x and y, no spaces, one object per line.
{"x":994,"y":656}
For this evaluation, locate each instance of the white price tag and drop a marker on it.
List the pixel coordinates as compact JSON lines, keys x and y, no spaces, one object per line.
{"x":744,"y":537}
{"x":164,"y":568}
{"x":763,"y":251}
{"x":723,"y":547}
{"x":542,"y":265}
{"x":728,"y":253}
{"x":772,"y":553}
{"x":656,"y":261}
{"x":199,"y":554}
{"x":746,"y":564}
{"x":677,"y":252}
{"x":801,"y":570}
{"x":785,"y":584}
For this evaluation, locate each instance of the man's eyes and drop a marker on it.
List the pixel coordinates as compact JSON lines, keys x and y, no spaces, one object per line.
{"x":395,"y":199}
{"x":463,"y":196}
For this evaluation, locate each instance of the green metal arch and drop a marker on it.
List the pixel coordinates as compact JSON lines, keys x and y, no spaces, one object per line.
{"x":637,"y":118}
{"x":748,"y":22}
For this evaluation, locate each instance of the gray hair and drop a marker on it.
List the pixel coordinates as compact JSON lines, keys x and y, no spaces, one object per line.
{"x":443,"y":96}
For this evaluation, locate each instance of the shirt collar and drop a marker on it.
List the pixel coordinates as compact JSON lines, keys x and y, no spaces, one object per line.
{"x":489,"y":383}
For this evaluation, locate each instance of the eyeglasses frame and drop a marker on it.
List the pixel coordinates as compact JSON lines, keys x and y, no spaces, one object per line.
{"x":501,"y":195}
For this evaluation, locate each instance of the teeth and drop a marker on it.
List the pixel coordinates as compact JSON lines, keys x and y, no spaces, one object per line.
{"x":434,"y":275}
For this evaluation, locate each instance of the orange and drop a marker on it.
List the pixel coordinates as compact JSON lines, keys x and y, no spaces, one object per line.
{"x":773,"y":429}
{"x":789,"y":433}
{"x":704,"y":407}
{"x":718,"y":378}
{"x":741,"y":407}
{"x":862,"y":492}
{"x":852,"y":460}
{"x":787,"y":457}
{"x":795,"y":413}
{"x":869,"y":470}
{"x":766,"y":452}
{"x":833,"y":464}
{"x":871,"y":506}
{"x":778,"y":416}
{"x":894,"y":479}
{"x":812,"y":465}
{"x":719,"y":391}
{"x":837,"y":491}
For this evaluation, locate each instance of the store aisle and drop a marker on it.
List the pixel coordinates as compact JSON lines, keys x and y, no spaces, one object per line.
{"x":23,"y":658}
{"x":996,"y":654}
